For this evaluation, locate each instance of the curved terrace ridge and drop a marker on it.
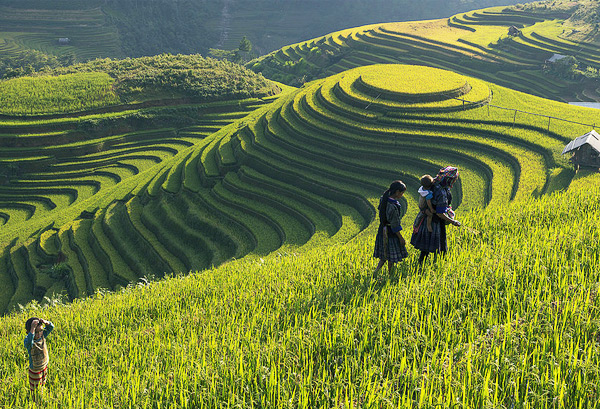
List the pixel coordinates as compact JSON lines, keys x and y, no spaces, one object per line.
{"x":300,"y":170}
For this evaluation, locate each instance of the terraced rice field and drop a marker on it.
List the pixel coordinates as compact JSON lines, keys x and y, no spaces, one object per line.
{"x":475,"y":44}
{"x":508,"y":318}
{"x":254,"y":176}
{"x":57,"y":170}
{"x":38,"y":25}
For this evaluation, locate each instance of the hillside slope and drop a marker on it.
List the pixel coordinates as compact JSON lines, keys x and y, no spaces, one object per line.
{"x":57,"y":166}
{"x":120,"y":28}
{"x":254,"y":202}
{"x":508,"y":319}
{"x":476,"y":43}
{"x":302,"y":170}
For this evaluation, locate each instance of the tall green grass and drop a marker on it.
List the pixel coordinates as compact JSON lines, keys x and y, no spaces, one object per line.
{"x":508,"y":319}
{"x":63,"y":93}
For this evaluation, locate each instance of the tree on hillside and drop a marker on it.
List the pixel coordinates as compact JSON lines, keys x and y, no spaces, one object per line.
{"x":239,"y":55}
{"x":243,"y":52}
{"x":245,"y":45}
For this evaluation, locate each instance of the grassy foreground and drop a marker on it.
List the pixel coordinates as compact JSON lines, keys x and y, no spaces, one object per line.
{"x":509,"y":319}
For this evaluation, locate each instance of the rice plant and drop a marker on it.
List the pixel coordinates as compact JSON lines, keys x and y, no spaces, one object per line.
{"x":508,"y":318}
{"x":56,"y":94}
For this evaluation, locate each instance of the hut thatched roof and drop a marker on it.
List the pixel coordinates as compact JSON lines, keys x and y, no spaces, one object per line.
{"x":592,"y":138}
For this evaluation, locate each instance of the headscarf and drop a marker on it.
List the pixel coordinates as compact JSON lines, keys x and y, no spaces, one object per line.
{"x":446,"y":176}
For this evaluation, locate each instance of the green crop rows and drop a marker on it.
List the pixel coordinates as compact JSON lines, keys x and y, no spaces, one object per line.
{"x":476,"y":44}
{"x":71,"y":92}
{"x":508,"y":318}
{"x":75,"y":188}
{"x":288,"y":173}
{"x":39,"y":25}
{"x":173,"y":175}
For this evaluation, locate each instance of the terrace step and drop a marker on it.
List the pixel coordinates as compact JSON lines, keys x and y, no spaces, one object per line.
{"x":231,"y":238}
{"x":36,"y":261}
{"x":109,"y":252}
{"x":343,"y":146}
{"x":117,"y":271}
{"x":174,"y":180}
{"x":17,"y":269}
{"x":96,"y":273}
{"x":312,"y":177}
{"x":323,"y":212}
{"x":193,"y":250}
{"x":77,"y":281}
{"x":7,"y":290}
{"x":362,"y":131}
{"x":145,"y":223}
{"x":266,"y":234}
{"x":139,"y":255}
{"x":296,"y":226}
{"x":16,"y":213}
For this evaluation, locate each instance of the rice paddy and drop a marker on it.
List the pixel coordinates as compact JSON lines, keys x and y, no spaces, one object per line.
{"x":217,"y":253}
{"x":38,"y":25}
{"x":64,"y":93}
{"x":101,"y":198}
{"x":509,"y":318}
{"x":475,"y":44}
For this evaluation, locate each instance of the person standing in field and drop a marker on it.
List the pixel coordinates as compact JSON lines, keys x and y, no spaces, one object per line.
{"x":434,"y":241}
{"x":390,"y":246}
{"x":35,"y":343}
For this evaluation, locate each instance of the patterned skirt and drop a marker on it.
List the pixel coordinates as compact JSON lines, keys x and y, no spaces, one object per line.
{"x":395,"y":251}
{"x":37,"y":378}
{"x":422,"y":239}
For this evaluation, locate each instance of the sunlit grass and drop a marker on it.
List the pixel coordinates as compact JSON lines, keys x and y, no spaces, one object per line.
{"x":508,"y":319}
{"x":411,"y":79}
{"x":63,"y":93}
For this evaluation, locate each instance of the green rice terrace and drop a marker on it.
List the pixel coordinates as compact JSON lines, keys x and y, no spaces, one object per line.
{"x":56,"y":164}
{"x":508,"y":46}
{"x":128,"y":84}
{"x":99,"y":200}
{"x":38,"y":95}
{"x":202,"y":236}
{"x":38,"y":25}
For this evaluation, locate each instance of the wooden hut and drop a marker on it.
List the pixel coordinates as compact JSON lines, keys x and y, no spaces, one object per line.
{"x":514,"y":31}
{"x":585,"y":151}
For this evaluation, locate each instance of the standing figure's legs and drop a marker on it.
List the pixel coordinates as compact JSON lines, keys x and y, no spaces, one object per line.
{"x":379,"y":265}
{"x":423,"y":256}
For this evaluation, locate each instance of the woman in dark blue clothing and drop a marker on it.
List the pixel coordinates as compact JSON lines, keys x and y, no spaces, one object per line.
{"x":390,"y":246}
{"x":435,"y":241}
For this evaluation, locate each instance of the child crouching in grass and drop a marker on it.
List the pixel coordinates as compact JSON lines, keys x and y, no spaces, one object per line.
{"x":35,"y":343}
